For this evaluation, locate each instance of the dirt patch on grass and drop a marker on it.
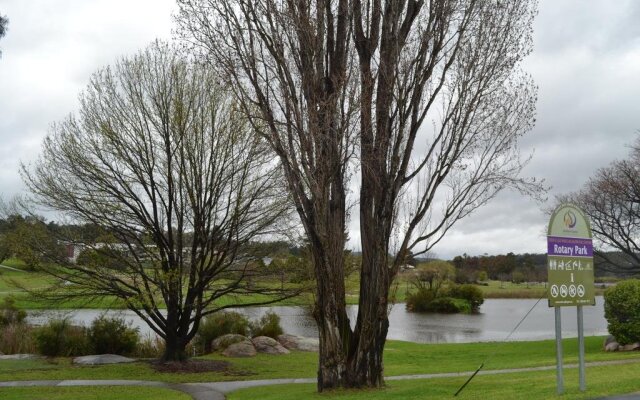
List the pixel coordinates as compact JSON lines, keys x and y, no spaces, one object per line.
{"x":192,"y":366}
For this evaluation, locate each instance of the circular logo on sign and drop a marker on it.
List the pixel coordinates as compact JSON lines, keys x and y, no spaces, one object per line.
{"x":570,"y":219}
{"x":572,"y":291}
{"x":554,"y":290}
{"x":563,"y":291}
{"x":581,"y":291}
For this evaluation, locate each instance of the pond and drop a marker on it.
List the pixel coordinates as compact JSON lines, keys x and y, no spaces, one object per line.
{"x":496,"y":319}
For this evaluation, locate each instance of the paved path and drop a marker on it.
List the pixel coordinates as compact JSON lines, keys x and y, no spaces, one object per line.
{"x":11,"y":268}
{"x":216,"y":390}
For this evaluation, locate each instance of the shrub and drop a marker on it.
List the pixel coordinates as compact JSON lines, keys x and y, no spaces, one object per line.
{"x":10,"y":314}
{"x":622,"y":311}
{"x":449,"y":305}
{"x":16,"y":338}
{"x":60,"y":338}
{"x":470,"y":293}
{"x":220,"y":324}
{"x":112,"y":336}
{"x":268,"y":325}
{"x":419,"y":301}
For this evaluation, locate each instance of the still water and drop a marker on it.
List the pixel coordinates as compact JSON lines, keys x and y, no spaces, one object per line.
{"x":496,"y":319}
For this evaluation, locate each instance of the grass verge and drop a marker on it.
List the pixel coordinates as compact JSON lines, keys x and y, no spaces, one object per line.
{"x":91,"y":393}
{"x":401,"y":358}
{"x":601,"y":381}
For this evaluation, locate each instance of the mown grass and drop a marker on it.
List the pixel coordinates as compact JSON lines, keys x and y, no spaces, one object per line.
{"x":90,"y":393}
{"x":12,"y":281}
{"x":601,"y":381}
{"x":17,"y":284}
{"x":401,"y":358}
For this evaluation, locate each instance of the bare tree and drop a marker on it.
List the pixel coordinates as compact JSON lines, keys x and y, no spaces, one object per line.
{"x":290,"y":65}
{"x":163,"y":161}
{"x":452,"y":63}
{"x":455,"y":64}
{"x":611,"y":200}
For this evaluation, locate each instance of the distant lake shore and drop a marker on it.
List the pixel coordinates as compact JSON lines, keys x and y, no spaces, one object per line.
{"x":496,"y":319}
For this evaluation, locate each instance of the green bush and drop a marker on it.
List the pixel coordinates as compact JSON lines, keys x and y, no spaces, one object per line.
{"x":449,"y":305}
{"x":268,"y":325}
{"x":10,"y":314}
{"x":112,"y":336}
{"x":59,"y":338}
{"x":449,"y":299}
{"x":220,"y":324}
{"x":622,"y":311}
{"x":419,"y":300}
{"x":470,"y":293}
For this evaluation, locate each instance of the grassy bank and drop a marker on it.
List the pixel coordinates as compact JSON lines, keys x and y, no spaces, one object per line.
{"x":401,"y":358}
{"x":91,"y":393}
{"x":601,"y":381}
{"x":12,"y":282}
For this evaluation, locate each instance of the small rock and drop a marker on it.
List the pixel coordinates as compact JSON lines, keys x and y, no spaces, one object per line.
{"x":20,"y":357}
{"x":292,"y":342}
{"x":100,"y":359}
{"x":240,"y":349}
{"x":265,"y":344}
{"x":225,"y":341}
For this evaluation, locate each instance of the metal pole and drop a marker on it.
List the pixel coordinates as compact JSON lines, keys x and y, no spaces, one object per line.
{"x":559,"y":377}
{"x":583,"y":384}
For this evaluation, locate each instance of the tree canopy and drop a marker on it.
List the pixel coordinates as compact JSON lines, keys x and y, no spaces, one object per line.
{"x":424,"y":102}
{"x":162,"y":161}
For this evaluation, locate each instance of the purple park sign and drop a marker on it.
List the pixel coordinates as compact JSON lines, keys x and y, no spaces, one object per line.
{"x":569,"y":247}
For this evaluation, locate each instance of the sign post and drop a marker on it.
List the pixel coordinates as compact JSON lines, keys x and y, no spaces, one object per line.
{"x":570,"y":275}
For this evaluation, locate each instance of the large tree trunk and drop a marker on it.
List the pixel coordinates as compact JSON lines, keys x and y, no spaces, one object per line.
{"x":365,"y":364}
{"x":175,"y":340}
{"x":175,"y":348}
{"x":331,"y":317}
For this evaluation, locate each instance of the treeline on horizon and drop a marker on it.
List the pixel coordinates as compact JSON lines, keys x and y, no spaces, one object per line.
{"x":518,"y":268}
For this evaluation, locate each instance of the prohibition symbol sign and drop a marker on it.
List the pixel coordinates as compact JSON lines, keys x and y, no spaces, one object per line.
{"x":563,"y":290}
{"x":572,"y":291}
{"x":554,"y":290}
{"x":580,"y":290}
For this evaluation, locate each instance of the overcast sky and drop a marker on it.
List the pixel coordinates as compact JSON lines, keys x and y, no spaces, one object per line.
{"x":586,"y":62}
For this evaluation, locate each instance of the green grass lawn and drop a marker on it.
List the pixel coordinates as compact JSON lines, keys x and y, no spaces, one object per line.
{"x":399,"y":290}
{"x":14,"y":283}
{"x":401,"y":358}
{"x":601,"y":381}
{"x":90,"y":393}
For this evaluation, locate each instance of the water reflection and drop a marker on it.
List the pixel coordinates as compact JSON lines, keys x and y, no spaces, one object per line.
{"x":496,"y":320}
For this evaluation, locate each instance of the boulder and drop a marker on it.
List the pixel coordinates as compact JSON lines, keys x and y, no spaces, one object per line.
{"x":20,"y":357}
{"x":292,"y":342}
{"x":240,"y":349}
{"x":630,"y":347}
{"x":613,"y":346}
{"x":610,"y":344}
{"x":265,"y":344}
{"x":225,"y":341}
{"x":100,"y":359}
